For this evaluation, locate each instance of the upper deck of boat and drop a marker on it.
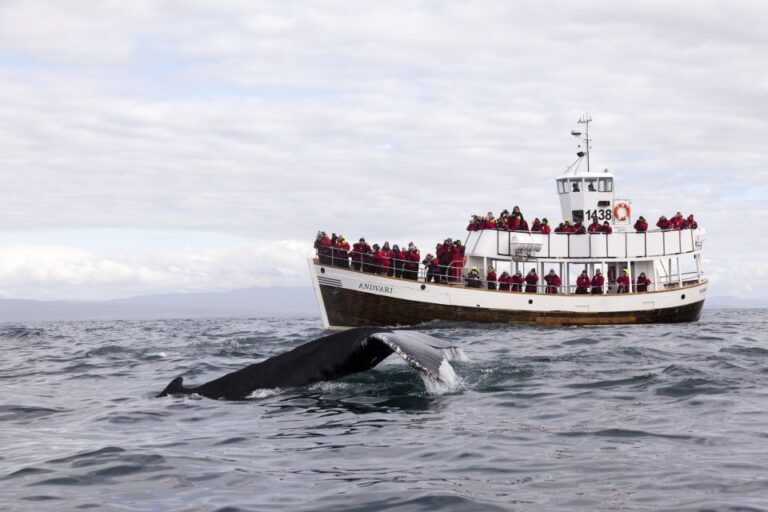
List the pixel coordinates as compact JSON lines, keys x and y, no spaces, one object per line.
{"x":620,"y":245}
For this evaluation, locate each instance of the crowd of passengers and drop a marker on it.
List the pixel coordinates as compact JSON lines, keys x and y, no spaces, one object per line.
{"x":530,"y":283}
{"x":446,"y":267}
{"x":515,"y":221}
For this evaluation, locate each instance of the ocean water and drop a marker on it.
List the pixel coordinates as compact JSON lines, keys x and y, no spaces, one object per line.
{"x":662,"y":417}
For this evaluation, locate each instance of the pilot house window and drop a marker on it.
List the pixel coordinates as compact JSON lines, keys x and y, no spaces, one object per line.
{"x":562,"y":187}
{"x":605,"y":185}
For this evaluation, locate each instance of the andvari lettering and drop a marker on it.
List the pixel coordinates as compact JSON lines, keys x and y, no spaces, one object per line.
{"x":375,"y":287}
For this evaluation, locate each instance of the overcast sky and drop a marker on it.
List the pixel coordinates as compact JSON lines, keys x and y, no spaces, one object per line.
{"x":156,"y":146}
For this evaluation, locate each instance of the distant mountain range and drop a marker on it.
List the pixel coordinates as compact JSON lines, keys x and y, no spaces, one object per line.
{"x":249,"y":302}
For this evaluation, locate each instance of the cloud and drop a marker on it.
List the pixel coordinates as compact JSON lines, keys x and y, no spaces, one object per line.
{"x":389,"y":120}
{"x":60,"y":272}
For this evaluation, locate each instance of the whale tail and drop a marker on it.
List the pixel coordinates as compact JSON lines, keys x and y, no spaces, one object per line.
{"x":176,"y":387}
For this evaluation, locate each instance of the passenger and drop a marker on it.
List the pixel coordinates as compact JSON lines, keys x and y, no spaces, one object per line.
{"x":641,"y":226}
{"x":676,"y":222}
{"x":597,"y":283}
{"x":591,"y":186}
{"x":594,"y":227}
{"x":576,"y":186}
{"x":445,"y":256}
{"x":560,"y":228}
{"x":514,"y":222}
{"x":473,"y":279}
{"x":504,"y":281}
{"x":491,"y":278}
{"x":412,"y":258}
{"x":606,"y":228}
{"x":398,"y":261}
{"x":690,"y":223}
{"x":579,"y":229}
{"x":376,"y":264}
{"x":457,"y":260}
{"x":472,"y":226}
{"x":433,"y":269}
{"x":386,"y":259}
{"x":545,"y":228}
{"x":623,"y":282}
{"x":489,"y":222}
{"x":342,"y":252}
{"x":516,"y":282}
{"x":582,"y":283}
{"x":523,"y":224}
{"x":642,"y":283}
{"x":663,"y":223}
{"x":553,"y":282}
{"x":530,"y":281}
{"x":324,"y":248}
{"x":536,"y":226}
{"x":567,"y":227}
{"x":361,"y":252}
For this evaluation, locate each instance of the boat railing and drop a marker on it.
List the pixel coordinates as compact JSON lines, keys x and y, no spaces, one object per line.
{"x":457,"y":275}
{"x":618,"y":245}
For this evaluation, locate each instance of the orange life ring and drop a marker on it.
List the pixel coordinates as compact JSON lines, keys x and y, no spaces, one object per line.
{"x":622,"y":206}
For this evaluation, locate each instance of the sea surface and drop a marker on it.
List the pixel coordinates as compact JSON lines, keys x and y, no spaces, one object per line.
{"x":661,"y":417}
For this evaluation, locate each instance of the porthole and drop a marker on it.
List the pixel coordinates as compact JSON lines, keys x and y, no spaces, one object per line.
{"x":682,"y":296}
{"x":423,"y":287}
{"x":322,"y":270}
{"x":530,"y":301}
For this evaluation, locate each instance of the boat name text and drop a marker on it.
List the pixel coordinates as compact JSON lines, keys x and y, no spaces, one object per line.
{"x":375,"y":288}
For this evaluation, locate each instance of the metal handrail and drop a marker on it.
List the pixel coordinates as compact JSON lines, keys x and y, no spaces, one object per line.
{"x":444,"y":277}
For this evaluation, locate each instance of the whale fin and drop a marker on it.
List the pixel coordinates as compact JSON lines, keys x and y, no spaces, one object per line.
{"x":176,"y":387}
{"x":427,"y":355}
{"x":331,"y":357}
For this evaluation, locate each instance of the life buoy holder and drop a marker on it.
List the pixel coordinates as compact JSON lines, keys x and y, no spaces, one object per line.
{"x":624,"y":208}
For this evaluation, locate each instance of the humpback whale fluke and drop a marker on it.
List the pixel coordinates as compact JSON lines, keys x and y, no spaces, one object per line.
{"x":331,"y":357}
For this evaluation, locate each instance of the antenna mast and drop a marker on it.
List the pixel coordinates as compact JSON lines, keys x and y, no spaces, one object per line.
{"x":585,"y":120}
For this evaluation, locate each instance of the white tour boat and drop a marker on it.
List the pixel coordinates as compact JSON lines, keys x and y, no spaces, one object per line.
{"x":671,"y":259}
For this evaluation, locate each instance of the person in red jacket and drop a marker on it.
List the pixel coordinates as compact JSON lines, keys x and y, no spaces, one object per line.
{"x":623,"y":282}
{"x":567,"y":227}
{"x":412,"y":258}
{"x":641,"y":285}
{"x":545,"y":227}
{"x":597,"y":283}
{"x":536,"y":226}
{"x":677,"y":221}
{"x":489,"y":222}
{"x":689,"y":223}
{"x":324,"y":248}
{"x":376,"y":265}
{"x":504,"y":281}
{"x":641,"y":226}
{"x":385,"y":259}
{"x":433,"y":268}
{"x":361,"y":252}
{"x":491,"y":278}
{"x":516,"y":282}
{"x":457,"y":261}
{"x":523,"y":224}
{"x":606,"y":228}
{"x":594,"y":227}
{"x":445,"y":256}
{"x":341,"y":253}
{"x":579,"y":229}
{"x":582,"y":283}
{"x":663,"y":223}
{"x":553,"y":282}
{"x":531,"y":280}
{"x":514,"y":223}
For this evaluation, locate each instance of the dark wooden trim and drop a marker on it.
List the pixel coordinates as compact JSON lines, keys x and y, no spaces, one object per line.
{"x":353,"y":308}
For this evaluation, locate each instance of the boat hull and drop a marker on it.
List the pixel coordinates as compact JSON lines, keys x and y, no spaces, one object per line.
{"x":350,"y":299}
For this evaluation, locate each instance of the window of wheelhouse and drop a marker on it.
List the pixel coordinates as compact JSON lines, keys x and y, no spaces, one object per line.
{"x":576,"y":185}
{"x":590,"y":185}
{"x":605,"y":185}
{"x":562,"y":186}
